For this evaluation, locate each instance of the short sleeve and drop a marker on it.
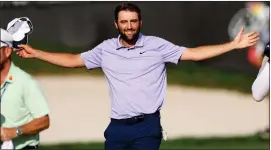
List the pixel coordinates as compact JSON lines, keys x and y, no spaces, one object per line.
{"x":92,"y":58}
{"x":170,"y":52}
{"x":34,"y":99}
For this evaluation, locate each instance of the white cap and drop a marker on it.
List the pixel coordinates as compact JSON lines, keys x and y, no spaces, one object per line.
{"x":19,"y":28}
{"x":6,"y":38}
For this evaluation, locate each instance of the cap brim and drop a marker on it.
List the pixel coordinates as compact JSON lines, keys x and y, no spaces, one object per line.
{"x":16,"y":43}
{"x":3,"y":44}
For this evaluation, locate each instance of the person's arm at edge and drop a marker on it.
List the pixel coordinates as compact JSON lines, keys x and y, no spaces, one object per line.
{"x":260,"y":86}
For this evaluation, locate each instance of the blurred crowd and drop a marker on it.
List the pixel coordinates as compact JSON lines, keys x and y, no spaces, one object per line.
{"x":254,"y":16}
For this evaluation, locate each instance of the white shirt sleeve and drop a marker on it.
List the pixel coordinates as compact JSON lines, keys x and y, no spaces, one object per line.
{"x":260,"y":86}
{"x":264,"y":61}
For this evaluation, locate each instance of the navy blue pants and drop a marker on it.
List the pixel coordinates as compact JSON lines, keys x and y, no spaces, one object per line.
{"x":145,"y":134}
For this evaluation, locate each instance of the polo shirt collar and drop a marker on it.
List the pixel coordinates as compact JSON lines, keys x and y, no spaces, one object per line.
{"x":139,"y":42}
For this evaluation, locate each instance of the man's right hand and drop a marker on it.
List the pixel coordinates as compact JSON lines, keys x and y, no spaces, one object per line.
{"x":59,"y":59}
{"x":27,"y":51}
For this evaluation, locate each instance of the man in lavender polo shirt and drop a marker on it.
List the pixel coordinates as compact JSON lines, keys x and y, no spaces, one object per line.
{"x":134,"y":66}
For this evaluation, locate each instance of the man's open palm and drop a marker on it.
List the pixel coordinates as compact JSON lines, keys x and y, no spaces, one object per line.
{"x":245,"y":40}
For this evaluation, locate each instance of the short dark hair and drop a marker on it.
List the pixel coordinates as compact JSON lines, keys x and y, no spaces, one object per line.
{"x":129,"y":7}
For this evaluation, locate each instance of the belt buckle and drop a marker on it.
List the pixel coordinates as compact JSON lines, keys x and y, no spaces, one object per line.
{"x":139,"y":118}
{"x":135,"y":119}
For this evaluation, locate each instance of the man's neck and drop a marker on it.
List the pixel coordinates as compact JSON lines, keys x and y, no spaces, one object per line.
{"x":126,"y":43}
{"x":4,"y":71}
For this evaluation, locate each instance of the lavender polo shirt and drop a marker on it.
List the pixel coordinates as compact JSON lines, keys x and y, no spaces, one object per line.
{"x":136,"y":76}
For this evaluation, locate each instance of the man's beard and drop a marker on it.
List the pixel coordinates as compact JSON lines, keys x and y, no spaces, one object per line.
{"x":2,"y":65}
{"x":126,"y":39}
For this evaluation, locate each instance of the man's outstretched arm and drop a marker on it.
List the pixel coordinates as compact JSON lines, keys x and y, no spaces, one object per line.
{"x":59,"y":59}
{"x":205,"y":52}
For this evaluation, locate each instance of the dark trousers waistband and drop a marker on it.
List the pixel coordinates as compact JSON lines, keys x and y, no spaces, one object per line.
{"x":136,"y":119}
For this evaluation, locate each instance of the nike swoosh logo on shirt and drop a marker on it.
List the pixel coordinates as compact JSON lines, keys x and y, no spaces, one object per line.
{"x":141,"y":52}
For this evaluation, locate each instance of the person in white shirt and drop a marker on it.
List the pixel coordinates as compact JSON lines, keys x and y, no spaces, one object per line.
{"x":260,"y":86}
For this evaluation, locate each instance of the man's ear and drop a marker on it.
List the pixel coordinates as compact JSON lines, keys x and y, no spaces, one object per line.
{"x":8,"y":51}
{"x":116,"y":24}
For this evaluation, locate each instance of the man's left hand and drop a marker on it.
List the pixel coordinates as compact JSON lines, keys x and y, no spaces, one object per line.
{"x":8,"y":134}
{"x":245,"y":40}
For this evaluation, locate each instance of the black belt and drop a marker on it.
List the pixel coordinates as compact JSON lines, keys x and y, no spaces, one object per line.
{"x":31,"y":147}
{"x":136,"y":119}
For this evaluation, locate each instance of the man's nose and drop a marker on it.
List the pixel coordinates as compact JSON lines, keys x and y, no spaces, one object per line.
{"x":129,"y":26}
